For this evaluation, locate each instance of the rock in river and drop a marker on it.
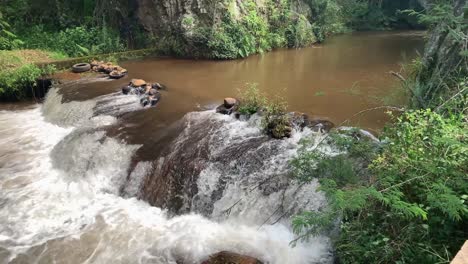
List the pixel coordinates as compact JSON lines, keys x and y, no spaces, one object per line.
{"x":138,"y":82}
{"x":225,"y":257}
{"x":230,"y":102}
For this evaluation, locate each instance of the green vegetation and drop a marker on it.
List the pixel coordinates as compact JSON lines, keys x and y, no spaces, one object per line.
{"x":403,"y":200}
{"x":251,"y":100}
{"x":73,"y":42}
{"x":70,"y":28}
{"x":275,"y":120}
{"x":8,"y":40}
{"x":18,"y":71}
{"x":247,"y":28}
{"x":90,"y":27}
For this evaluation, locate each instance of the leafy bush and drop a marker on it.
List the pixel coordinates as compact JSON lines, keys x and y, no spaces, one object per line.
{"x":408,"y":206}
{"x":276,"y":122}
{"x":300,"y":33}
{"x":251,"y":100}
{"x":14,"y":81}
{"x":74,"y":42}
{"x":8,"y":40}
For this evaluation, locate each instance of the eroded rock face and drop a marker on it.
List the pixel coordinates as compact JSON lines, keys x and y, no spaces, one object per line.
{"x":225,"y":257}
{"x":181,"y":27}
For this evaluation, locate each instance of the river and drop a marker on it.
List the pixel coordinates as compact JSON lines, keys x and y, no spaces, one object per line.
{"x":79,"y":173}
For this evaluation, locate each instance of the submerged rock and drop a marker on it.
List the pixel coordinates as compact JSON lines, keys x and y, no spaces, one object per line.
{"x":226,"y":257}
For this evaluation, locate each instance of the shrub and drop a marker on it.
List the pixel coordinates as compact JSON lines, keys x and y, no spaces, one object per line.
{"x":251,"y":100}
{"x":14,"y":81}
{"x":74,"y":42}
{"x":412,"y":205}
{"x":276,"y":122}
{"x":8,"y":40}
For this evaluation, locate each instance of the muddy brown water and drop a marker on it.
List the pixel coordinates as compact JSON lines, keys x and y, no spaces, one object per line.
{"x":343,"y":76}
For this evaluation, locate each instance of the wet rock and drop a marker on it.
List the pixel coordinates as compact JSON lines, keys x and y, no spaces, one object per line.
{"x":137,"y":82}
{"x":279,"y":127}
{"x":115,"y":74}
{"x":158,"y":86}
{"x":299,"y":120}
{"x":126,"y":89}
{"x":224,"y":110}
{"x":226,"y":257}
{"x":230,"y":102}
{"x":153,"y":91}
{"x":321,"y":125}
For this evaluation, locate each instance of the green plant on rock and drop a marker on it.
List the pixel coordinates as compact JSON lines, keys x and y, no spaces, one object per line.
{"x":251,"y":100}
{"x":275,"y":121}
{"x":14,"y":81}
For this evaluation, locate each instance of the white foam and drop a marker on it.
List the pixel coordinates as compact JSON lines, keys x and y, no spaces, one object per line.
{"x":60,"y":202}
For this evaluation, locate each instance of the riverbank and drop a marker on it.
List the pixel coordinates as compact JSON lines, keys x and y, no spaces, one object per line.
{"x":29,"y":73}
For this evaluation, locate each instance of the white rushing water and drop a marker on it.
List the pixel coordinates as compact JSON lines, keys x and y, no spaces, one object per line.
{"x":60,"y":202}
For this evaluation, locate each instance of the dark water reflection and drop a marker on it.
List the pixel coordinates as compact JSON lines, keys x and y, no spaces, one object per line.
{"x":345,"y":75}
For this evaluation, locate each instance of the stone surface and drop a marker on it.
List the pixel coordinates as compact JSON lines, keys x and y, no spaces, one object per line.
{"x":299,"y":120}
{"x":224,"y":110}
{"x":321,"y":125}
{"x":138,"y":82}
{"x":226,"y":257}
{"x":229,"y":102}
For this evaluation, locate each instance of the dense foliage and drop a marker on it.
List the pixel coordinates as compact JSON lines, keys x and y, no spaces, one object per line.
{"x":406,"y":204}
{"x":247,"y":27}
{"x":18,"y":72}
{"x":84,"y":27}
{"x":403,"y":200}
{"x":8,"y":40}
{"x":73,"y":28}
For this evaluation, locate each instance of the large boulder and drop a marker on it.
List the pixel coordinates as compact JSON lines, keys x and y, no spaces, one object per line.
{"x":226,"y":257}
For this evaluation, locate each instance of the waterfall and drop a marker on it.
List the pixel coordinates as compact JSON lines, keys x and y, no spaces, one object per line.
{"x":67,"y":195}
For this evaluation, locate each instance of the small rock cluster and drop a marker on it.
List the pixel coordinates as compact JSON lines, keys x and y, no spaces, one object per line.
{"x":148,"y":92}
{"x":114,"y":71}
{"x":280,"y":126}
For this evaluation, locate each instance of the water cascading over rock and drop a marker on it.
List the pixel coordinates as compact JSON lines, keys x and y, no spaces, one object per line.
{"x":222,"y":167}
{"x":71,"y":199}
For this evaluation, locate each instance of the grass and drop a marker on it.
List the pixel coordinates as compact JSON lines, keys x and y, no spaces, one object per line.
{"x":13,"y":59}
{"x":18,"y":71}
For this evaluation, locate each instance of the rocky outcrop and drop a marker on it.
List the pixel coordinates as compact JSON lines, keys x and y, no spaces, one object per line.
{"x":217,"y":29}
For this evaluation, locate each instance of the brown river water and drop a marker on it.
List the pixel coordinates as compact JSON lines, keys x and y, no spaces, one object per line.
{"x":335,"y":80}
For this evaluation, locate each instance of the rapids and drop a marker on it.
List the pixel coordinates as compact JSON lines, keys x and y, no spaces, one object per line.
{"x":70,"y":194}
